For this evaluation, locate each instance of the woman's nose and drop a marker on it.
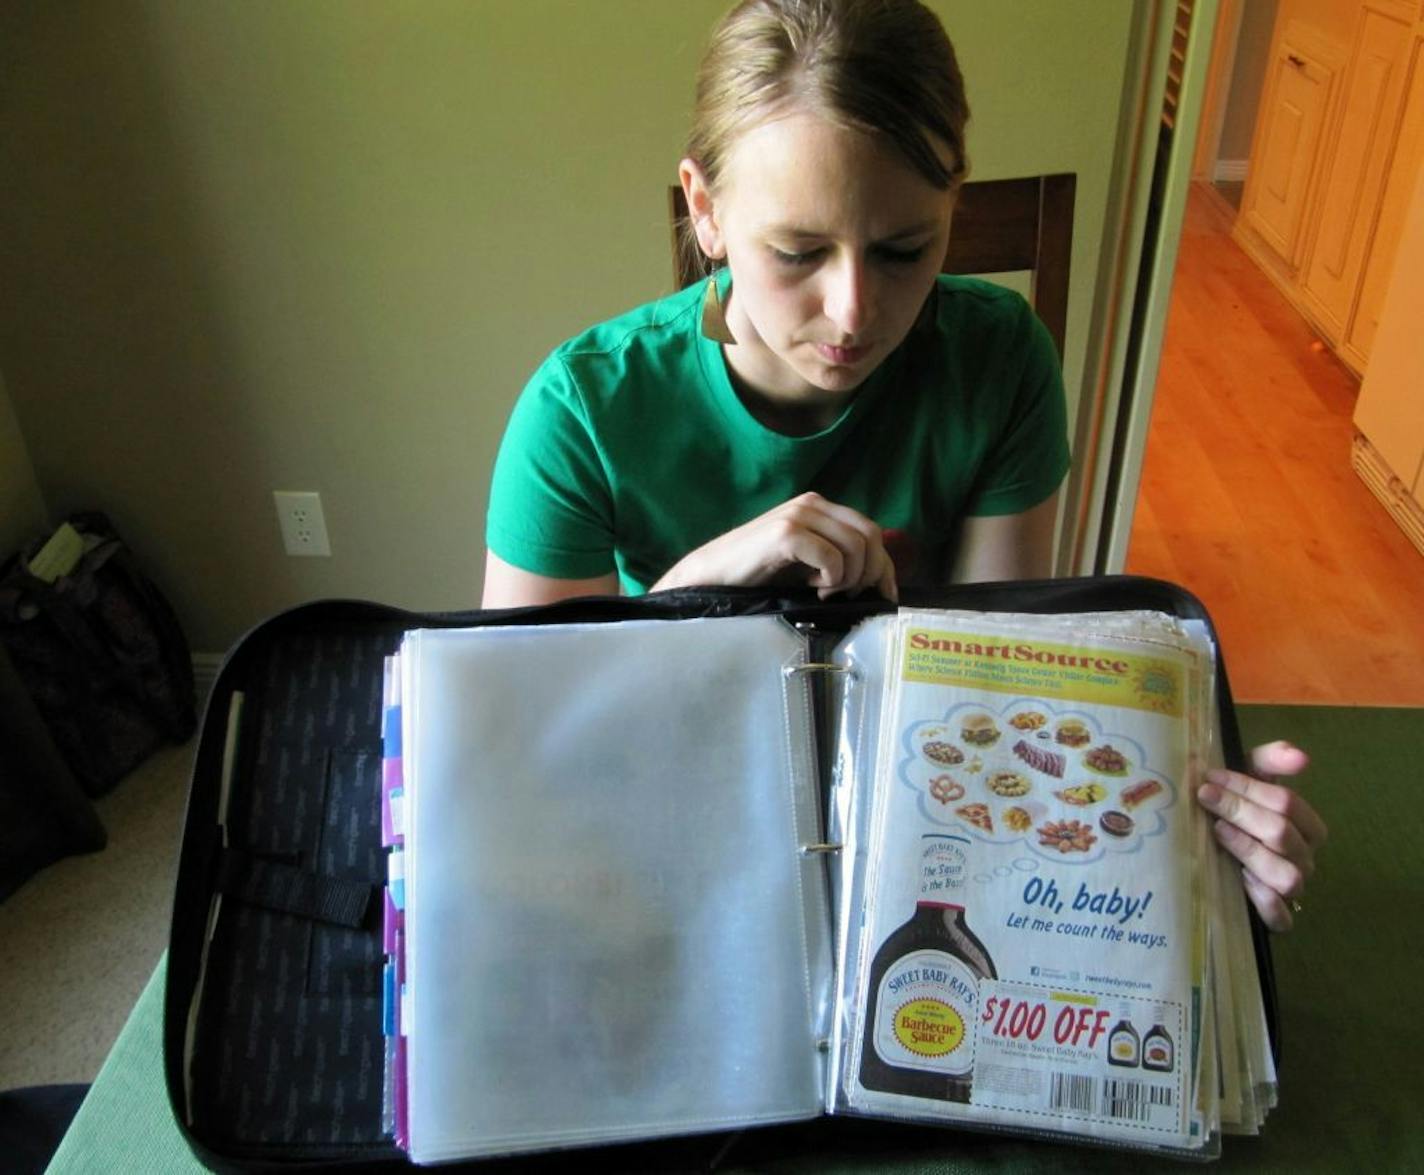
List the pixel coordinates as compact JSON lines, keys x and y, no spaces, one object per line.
{"x":847,"y":297}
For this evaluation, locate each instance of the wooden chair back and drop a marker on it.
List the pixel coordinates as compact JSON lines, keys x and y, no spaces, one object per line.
{"x":1000,"y":226}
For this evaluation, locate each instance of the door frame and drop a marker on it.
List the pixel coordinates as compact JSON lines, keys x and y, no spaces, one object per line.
{"x":1146,"y":205}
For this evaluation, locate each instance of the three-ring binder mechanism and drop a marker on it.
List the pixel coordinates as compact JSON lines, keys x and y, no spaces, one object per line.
{"x":850,"y":675}
{"x":823,"y":1044}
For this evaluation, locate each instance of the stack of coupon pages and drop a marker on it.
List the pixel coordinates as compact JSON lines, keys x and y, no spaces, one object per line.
{"x":671,"y":877}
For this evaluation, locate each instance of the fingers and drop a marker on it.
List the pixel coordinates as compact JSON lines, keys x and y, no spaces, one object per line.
{"x":1284,"y":873}
{"x":877,"y":570}
{"x":808,"y":539}
{"x":886,"y":585}
{"x":1267,"y":827}
{"x":813,"y":531}
{"x":1275,"y":911}
{"x":1270,"y":761}
{"x":796,"y":544}
{"x":1263,"y":809}
{"x":841,"y":545}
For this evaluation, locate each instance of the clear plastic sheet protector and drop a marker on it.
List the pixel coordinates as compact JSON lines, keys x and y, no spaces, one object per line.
{"x":613,"y":931}
{"x":1202,"y":996}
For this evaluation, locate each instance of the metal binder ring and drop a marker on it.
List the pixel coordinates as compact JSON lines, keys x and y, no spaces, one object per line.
{"x":825,"y":666}
{"x":822,"y":848}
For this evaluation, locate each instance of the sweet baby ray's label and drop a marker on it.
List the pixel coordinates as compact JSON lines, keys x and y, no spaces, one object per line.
{"x":926,"y":1009}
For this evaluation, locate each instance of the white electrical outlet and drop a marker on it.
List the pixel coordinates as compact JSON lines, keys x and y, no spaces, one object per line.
{"x":303,"y":527}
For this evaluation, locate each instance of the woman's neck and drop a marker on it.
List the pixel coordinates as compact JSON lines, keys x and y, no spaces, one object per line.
{"x":785,"y":412}
{"x":777,"y":397}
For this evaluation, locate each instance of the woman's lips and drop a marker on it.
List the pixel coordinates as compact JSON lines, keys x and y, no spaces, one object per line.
{"x":842,"y":356}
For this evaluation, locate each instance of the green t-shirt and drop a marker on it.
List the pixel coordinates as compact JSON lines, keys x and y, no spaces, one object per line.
{"x":629,"y":447}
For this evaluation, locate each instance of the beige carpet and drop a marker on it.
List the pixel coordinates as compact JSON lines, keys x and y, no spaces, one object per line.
{"x":80,"y":938}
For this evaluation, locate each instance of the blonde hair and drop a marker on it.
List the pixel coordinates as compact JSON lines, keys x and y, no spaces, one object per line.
{"x":883,"y":66}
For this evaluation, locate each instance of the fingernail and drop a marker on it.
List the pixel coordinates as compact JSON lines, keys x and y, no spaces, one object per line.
{"x":1216,"y":775}
{"x":1209,"y":794}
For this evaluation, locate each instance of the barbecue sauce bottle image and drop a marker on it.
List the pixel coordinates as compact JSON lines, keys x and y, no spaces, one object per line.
{"x":1124,"y":1048}
{"x":1157,"y":1050}
{"x":924,"y":989}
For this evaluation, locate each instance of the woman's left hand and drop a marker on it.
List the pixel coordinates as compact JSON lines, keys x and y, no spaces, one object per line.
{"x":1268,"y":827}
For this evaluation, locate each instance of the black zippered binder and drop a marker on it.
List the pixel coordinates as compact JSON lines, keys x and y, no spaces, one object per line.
{"x":273,"y":1030}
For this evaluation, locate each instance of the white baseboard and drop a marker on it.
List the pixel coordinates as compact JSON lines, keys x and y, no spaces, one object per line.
{"x":1230,"y":169}
{"x":205,"y":672}
{"x":1385,"y":484}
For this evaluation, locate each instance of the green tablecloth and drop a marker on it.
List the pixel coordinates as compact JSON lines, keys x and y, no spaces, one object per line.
{"x":1352,"y":1080}
{"x":125,"y":1123}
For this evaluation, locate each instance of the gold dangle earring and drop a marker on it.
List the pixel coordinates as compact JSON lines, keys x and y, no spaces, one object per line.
{"x":714,"y":314}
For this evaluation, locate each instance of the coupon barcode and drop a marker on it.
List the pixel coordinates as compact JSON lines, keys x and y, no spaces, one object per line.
{"x":1068,"y":1091}
{"x":1133,"y":1099}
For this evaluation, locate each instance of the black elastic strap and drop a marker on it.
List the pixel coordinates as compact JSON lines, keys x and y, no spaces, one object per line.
{"x":289,"y":890}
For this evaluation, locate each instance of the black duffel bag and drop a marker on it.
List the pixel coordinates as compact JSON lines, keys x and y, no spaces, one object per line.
{"x":102,"y":655}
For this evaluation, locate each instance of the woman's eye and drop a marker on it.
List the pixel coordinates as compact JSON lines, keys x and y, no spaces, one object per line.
{"x":883,"y":252}
{"x":795,"y":258}
{"x":901,"y":256}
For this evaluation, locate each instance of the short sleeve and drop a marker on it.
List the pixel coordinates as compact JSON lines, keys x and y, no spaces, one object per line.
{"x":1029,"y":458}
{"x":550,"y":509}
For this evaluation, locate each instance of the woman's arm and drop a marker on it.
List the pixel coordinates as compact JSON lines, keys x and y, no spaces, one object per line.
{"x":1007,"y":546}
{"x":810,"y":539}
{"x":507,"y":586}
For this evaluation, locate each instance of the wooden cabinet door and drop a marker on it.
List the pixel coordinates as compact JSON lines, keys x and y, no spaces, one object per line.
{"x":1351,"y":187}
{"x":1394,"y":207}
{"x":1299,"y":93}
{"x":1390,"y":410}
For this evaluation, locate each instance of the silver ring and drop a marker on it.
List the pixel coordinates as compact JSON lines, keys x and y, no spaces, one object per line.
{"x":1295,"y":907}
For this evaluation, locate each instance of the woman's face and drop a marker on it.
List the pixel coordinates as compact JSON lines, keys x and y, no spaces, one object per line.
{"x":833,"y":242}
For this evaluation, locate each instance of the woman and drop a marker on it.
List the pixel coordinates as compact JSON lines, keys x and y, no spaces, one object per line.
{"x":826,"y":408}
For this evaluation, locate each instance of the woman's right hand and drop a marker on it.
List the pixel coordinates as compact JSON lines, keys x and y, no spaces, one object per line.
{"x":808,"y":539}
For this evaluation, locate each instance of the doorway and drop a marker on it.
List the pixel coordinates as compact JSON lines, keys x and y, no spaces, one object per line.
{"x":1247,"y":496}
{"x":1240,"y":53}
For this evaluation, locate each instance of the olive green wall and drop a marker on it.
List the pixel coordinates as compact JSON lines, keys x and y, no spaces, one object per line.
{"x":320,"y":245}
{"x":22,"y":511}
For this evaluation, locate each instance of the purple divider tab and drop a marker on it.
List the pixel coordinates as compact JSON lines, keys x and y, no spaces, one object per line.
{"x":402,"y":1131}
{"x":392,"y":924}
{"x":391,"y":780}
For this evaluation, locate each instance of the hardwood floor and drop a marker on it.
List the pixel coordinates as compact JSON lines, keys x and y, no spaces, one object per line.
{"x":1248,"y":497}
